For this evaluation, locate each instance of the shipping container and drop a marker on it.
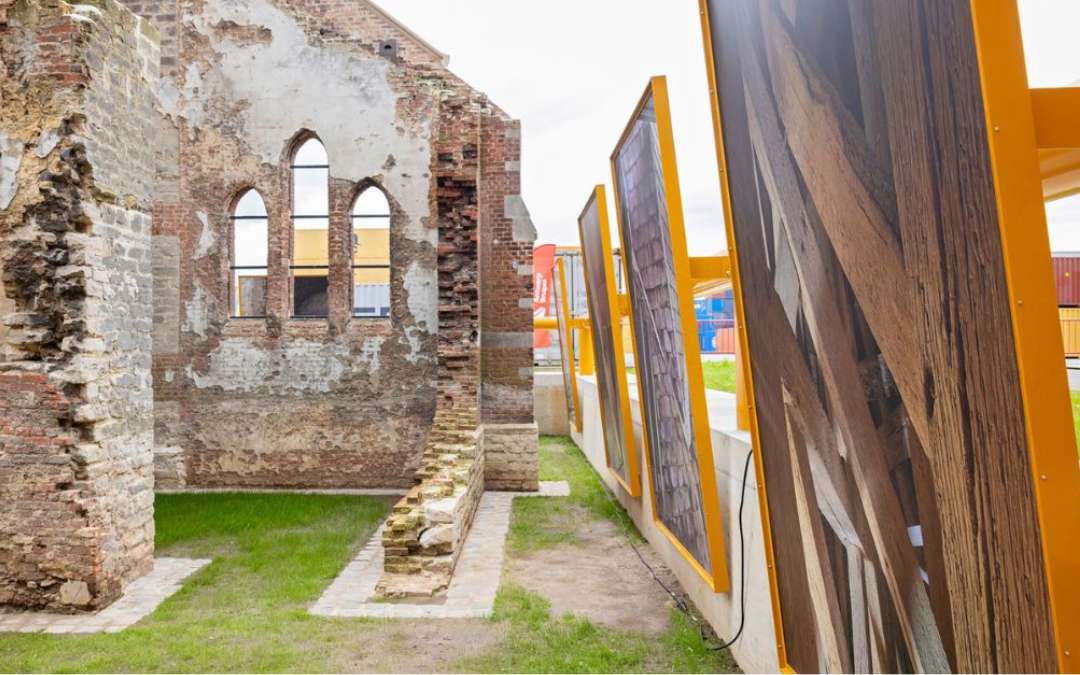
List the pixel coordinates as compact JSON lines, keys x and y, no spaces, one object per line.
{"x":1070,"y":330}
{"x":1067,"y":280}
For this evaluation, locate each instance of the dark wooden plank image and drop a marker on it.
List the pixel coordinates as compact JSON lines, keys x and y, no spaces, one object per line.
{"x":888,"y":410}
{"x":607,"y":346}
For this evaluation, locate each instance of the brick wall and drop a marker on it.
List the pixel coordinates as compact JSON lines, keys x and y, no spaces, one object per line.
{"x":76,"y":484}
{"x":423,"y":537}
{"x":277,"y":402}
{"x":506,"y":243}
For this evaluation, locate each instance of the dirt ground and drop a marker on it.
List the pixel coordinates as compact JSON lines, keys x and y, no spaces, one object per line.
{"x":417,"y":646}
{"x":599,"y":577}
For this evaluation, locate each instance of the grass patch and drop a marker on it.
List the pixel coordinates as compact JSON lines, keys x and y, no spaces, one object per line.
{"x":1075,"y":395}
{"x":246,"y":611}
{"x":718,"y":375}
{"x":538,"y":642}
{"x":540,"y":523}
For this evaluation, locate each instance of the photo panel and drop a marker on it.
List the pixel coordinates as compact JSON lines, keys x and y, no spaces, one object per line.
{"x":888,"y":420}
{"x":566,"y":345}
{"x":604,"y":317}
{"x":678,"y":444}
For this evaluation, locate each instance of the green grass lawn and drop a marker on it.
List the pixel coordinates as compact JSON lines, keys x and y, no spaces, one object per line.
{"x":1076,"y":416}
{"x":273,"y":554}
{"x":247,"y":611}
{"x":538,"y":523}
{"x":719,"y":375}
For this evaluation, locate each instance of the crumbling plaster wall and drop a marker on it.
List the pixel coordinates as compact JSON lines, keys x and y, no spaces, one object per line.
{"x":277,"y":401}
{"x":76,"y":481}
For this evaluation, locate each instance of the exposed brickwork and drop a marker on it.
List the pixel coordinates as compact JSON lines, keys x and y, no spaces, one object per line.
{"x":340,"y":402}
{"x":506,"y":245}
{"x":76,"y":484}
{"x":424,"y":536}
{"x":506,"y":269}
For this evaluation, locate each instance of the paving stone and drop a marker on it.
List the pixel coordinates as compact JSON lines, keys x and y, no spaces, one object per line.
{"x":141,"y":598}
{"x":472,"y":589}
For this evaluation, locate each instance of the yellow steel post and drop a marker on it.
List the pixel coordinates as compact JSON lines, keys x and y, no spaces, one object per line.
{"x":742,"y":400}
{"x":588,"y":366}
{"x":545,"y":323}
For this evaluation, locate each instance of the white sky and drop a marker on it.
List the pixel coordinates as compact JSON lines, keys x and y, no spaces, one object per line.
{"x":572,"y":71}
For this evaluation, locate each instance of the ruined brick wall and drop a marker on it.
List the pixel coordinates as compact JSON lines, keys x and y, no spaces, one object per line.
{"x":340,"y":402}
{"x":507,"y":244}
{"x":507,"y":239}
{"x":423,"y":537}
{"x":279,"y":402}
{"x":76,"y":484}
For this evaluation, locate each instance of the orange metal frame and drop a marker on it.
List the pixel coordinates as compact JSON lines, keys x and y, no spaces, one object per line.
{"x":1019,"y":123}
{"x":717,"y":577}
{"x":633,"y":486}
{"x":746,"y":380}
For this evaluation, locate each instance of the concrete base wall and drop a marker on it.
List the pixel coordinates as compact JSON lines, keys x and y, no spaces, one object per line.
{"x":549,"y":403}
{"x":756,"y":648}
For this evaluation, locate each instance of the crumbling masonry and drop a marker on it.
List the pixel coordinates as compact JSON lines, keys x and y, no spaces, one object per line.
{"x":122,"y":154}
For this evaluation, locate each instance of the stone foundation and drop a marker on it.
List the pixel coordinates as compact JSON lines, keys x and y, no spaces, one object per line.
{"x":511,"y":457}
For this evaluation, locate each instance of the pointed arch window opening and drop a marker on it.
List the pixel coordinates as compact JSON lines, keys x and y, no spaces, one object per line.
{"x":248,"y":268}
{"x":370,"y":218}
{"x":309,"y":268}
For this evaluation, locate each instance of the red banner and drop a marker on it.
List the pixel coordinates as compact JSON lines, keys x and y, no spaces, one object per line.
{"x":543,"y":278}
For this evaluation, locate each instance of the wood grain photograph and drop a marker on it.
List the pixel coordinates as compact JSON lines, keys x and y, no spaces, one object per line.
{"x":888,"y":408}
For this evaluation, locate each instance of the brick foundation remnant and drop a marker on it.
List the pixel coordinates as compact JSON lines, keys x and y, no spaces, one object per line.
{"x":76,"y":473}
{"x":424,"y":535}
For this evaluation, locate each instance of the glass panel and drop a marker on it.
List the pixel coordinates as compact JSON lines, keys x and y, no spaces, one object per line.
{"x":371,"y":246}
{"x":311,"y":250}
{"x":310,"y":293}
{"x":371,"y":297}
{"x":371,"y":202}
{"x":249,"y":251}
{"x":311,"y":153}
{"x":250,"y":243}
{"x":311,"y":230}
{"x":311,"y":194}
{"x":251,"y":204}
{"x":249,"y":292}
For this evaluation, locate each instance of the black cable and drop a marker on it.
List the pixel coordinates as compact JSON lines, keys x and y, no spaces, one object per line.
{"x":742,"y":561}
{"x":680,"y":603}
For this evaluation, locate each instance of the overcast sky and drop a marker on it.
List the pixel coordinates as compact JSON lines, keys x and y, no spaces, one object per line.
{"x":572,"y":71}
